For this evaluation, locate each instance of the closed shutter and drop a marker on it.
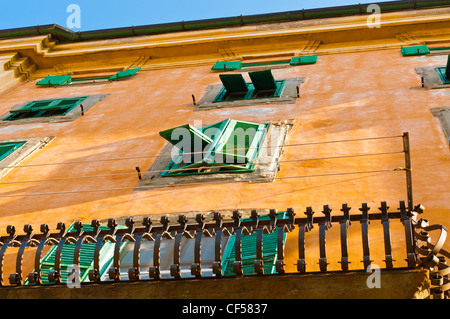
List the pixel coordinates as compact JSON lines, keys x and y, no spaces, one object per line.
{"x":68,"y":251}
{"x":248,"y":252}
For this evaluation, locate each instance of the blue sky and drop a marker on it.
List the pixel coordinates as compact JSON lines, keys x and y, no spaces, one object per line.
{"x":102,"y":14}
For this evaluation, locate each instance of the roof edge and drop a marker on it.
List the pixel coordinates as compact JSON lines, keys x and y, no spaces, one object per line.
{"x":67,"y":35}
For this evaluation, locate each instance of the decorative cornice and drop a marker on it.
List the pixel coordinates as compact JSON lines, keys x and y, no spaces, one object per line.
{"x":319,"y":36}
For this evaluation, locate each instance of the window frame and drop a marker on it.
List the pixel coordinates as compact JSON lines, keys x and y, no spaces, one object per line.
{"x":52,"y":106}
{"x":15,"y":146}
{"x":226,"y":132}
{"x":443,"y":114}
{"x":16,"y":156}
{"x":69,"y":114}
{"x":265,"y":170}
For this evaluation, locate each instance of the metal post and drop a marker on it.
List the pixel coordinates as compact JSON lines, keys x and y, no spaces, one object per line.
{"x":406,"y":149}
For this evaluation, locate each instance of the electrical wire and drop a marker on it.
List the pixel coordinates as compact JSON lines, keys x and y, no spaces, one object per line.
{"x":190,"y":169}
{"x":186,"y":184}
{"x":203,"y":182}
{"x":193,"y":153}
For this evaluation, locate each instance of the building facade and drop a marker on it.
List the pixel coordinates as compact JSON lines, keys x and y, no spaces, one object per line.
{"x":334,"y":98}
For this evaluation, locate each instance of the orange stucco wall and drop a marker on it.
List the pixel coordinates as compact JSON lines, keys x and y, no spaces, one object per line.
{"x":345,"y":96}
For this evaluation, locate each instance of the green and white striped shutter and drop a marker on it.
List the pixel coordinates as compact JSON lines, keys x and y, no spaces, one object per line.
{"x":248,"y":245}
{"x":86,"y":258}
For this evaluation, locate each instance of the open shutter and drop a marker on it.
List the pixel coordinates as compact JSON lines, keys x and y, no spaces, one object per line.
{"x":297,"y":60}
{"x":234,"y":83}
{"x":123,"y":74}
{"x":55,"y":80}
{"x":263,"y":80}
{"x":227,"y":66}
{"x":196,"y":136}
{"x":415,"y":50}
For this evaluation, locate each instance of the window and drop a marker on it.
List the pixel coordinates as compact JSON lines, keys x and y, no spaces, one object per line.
{"x":248,"y":251}
{"x":443,"y":114}
{"x":166,"y":257}
{"x":86,"y":258}
{"x":228,"y":151}
{"x":50,"y":110}
{"x":45,"y":108}
{"x":8,"y":148}
{"x":14,"y":151}
{"x":227,"y":146}
{"x":263,"y":85}
{"x":435,"y":77}
{"x":444,"y":72}
{"x":234,"y":91}
{"x":57,"y":80}
{"x":248,"y":244}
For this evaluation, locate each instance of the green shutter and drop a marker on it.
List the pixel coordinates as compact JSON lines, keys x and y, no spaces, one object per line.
{"x":235,"y":88}
{"x":447,"y":69}
{"x":68,"y":251}
{"x":124,"y":74}
{"x":67,"y":79}
{"x":263,"y":80}
{"x":55,"y":80}
{"x":248,"y":251}
{"x":415,"y":50}
{"x":442,"y":71}
{"x":297,"y":60}
{"x":196,"y":137}
{"x":234,"y":83}
{"x":227,"y":66}
{"x":42,"y":107}
{"x":231,"y":147}
{"x":8,"y":148}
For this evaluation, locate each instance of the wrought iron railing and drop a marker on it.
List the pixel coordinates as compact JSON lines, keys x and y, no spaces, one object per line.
{"x":420,"y":251}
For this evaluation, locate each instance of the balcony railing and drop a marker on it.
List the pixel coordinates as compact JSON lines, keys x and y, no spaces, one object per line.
{"x":420,"y":251}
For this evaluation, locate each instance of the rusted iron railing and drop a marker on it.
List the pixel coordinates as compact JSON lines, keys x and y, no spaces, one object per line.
{"x":420,"y":251}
